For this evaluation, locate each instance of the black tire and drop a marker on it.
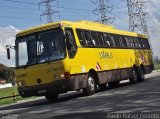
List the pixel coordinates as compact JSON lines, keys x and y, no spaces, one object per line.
{"x":51,"y":97}
{"x":102,"y":86}
{"x":141,"y":74}
{"x":91,"y":86}
{"x":134,"y":76}
{"x":113,"y":84}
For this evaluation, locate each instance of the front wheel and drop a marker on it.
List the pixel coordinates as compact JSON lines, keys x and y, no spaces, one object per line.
{"x":90,"y":89}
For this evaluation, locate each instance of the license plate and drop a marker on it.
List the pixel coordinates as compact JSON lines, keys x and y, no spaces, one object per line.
{"x":41,"y":91}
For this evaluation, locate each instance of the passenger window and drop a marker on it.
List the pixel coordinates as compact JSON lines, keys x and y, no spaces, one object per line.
{"x":87,"y":38}
{"x":107,"y":40}
{"x":137,"y":42}
{"x":145,"y":43}
{"x":117,"y":40}
{"x":70,"y":42}
{"x":101,"y":39}
{"x":80,"y":37}
{"x":123,"y":42}
{"x":132,"y":42}
{"x":129,"y":42}
{"x":94,"y":38}
{"x":112,"y":39}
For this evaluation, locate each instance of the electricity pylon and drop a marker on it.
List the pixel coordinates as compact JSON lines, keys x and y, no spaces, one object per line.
{"x":102,"y":10}
{"x":137,"y":16}
{"x":49,"y":12}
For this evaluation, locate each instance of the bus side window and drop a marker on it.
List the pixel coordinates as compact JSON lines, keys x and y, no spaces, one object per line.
{"x":112,"y":39}
{"x":94,"y":38}
{"x":87,"y":38}
{"x":123,"y":41}
{"x":80,"y":37}
{"x":145,"y":43}
{"x":137,"y":42}
{"x":118,"y":40}
{"x":128,"y":42}
{"x":107,"y":40}
{"x":70,"y":42}
{"x":131,"y":39}
{"x":101,"y":39}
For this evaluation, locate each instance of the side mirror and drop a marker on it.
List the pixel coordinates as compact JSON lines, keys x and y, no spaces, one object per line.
{"x":8,"y":53}
{"x":8,"y":47}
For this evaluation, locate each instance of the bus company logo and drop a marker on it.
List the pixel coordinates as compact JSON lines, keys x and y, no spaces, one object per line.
{"x":98,"y":67}
{"x":104,"y":55}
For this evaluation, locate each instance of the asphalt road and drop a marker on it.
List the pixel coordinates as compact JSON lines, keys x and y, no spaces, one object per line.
{"x":131,"y":100}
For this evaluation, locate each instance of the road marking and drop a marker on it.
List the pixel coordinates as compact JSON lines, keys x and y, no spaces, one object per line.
{"x":39,"y":111}
{"x":138,"y":105}
{"x":12,"y":110}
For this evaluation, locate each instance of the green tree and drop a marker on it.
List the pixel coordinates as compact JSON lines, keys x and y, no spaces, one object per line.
{"x":7,"y":74}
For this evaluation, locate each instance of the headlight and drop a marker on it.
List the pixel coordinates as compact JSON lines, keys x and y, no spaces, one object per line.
{"x":20,"y":83}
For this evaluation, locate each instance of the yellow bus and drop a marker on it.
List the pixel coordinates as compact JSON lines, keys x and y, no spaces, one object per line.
{"x":54,"y":58}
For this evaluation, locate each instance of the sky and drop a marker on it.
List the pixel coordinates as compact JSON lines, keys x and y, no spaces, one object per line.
{"x":17,"y":15}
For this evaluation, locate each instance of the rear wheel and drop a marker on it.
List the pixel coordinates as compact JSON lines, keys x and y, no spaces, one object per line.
{"x":51,"y":97}
{"x":141,"y":74}
{"x":113,"y":84}
{"x":134,"y":76}
{"x":90,"y":89}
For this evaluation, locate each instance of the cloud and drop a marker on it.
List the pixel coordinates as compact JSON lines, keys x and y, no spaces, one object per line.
{"x":7,"y":37}
{"x":154,"y":25}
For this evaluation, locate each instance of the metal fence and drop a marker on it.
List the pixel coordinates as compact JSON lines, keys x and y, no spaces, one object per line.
{"x":13,"y":96}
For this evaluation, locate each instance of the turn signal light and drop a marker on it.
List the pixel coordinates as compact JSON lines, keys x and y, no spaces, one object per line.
{"x":20,"y":83}
{"x":67,"y":75}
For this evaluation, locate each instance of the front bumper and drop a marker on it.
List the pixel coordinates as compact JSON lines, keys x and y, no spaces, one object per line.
{"x":59,"y":86}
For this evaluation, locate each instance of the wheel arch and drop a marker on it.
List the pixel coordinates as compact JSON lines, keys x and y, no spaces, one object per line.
{"x":135,"y":67}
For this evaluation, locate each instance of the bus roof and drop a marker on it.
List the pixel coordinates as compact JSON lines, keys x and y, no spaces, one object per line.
{"x":81,"y":25}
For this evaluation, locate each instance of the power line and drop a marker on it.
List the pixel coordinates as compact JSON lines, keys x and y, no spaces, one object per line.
{"x":22,"y":18}
{"x":21,"y":2}
{"x":101,"y":10}
{"x":50,"y":5}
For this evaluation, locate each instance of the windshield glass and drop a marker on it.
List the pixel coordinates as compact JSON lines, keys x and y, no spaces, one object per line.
{"x":40,"y":47}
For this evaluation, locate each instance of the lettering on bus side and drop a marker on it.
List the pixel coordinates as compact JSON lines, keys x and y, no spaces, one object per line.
{"x":52,"y":69}
{"x":105,"y":55}
{"x":21,"y":75}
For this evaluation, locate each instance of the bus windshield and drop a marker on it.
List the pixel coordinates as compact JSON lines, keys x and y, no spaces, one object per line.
{"x":40,"y":47}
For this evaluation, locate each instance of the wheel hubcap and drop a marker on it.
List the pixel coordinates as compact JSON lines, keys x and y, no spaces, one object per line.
{"x":91,"y":83}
